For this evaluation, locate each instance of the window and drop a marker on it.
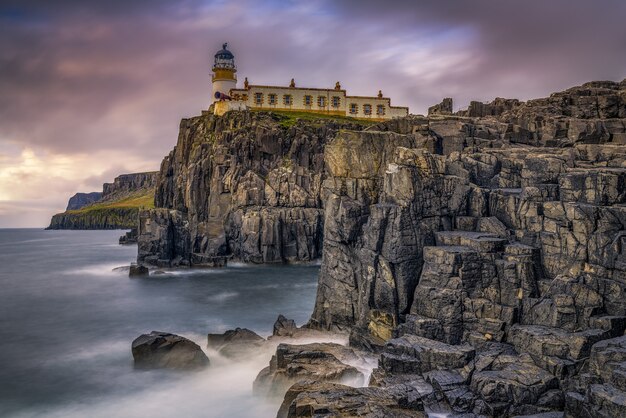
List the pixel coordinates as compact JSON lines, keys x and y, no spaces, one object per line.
{"x":336,"y":101}
{"x":308,"y":100}
{"x":354,"y":108}
{"x":272,"y":98}
{"x":367,"y":109}
{"x":258,"y":98}
{"x":287,"y":100}
{"x":380,"y":110}
{"x":321,"y":101}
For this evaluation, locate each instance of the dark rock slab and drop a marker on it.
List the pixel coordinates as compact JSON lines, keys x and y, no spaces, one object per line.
{"x":413,"y":354}
{"x":165,"y":350}
{"x":322,"y":399}
{"x":236,"y":343}
{"x":324,"y":362}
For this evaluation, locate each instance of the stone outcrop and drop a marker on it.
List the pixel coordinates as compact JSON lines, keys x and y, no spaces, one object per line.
{"x":246,"y":185}
{"x":110,"y":218}
{"x":128,"y":184}
{"x":322,"y":362}
{"x":443,"y":108}
{"x":235,"y":343}
{"x":506,"y":230}
{"x":165,"y":350}
{"x":117,"y":207}
{"x":481,"y":254}
{"x":321,"y":399}
{"x":80,"y":200}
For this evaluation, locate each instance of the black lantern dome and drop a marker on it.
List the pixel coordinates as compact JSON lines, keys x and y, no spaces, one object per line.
{"x":224,"y":59}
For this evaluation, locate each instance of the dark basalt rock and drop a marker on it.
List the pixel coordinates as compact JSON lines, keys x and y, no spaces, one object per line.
{"x":165,"y":350}
{"x":284,"y":327}
{"x":236,"y":343}
{"x":482,"y":254}
{"x":323,"y":362}
{"x":322,"y":399}
{"x":138,"y":271}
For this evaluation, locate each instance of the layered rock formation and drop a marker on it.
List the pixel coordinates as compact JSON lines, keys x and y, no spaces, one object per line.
{"x":116,"y":208}
{"x":512,"y":239}
{"x":483,"y":257}
{"x":246,"y":185}
{"x":80,"y":200}
{"x":169,"y":351}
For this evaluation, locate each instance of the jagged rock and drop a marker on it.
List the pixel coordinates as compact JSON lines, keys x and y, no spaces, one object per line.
{"x":316,"y":399}
{"x":413,"y":354}
{"x":324,"y":362}
{"x":109,"y":209}
{"x":165,"y":350}
{"x":129,"y":237}
{"x":284,"y":327}
{"x":80,"y":200}
{"x":235,"y":343}
{"x":504,"y":229}
{"x":138,"y":271}
{"x":443,"y":108}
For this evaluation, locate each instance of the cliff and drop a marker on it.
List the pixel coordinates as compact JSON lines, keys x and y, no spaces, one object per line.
{"x":80,"y":200}
{"x":117,"y":208}
{"x":246,"y":185}
{"x":482,"y":257}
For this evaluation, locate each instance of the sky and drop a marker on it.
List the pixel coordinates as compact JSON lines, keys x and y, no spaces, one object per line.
{"x":92,"y":89}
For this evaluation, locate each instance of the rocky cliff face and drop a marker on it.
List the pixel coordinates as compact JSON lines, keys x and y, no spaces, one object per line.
{"x":246,"y":185}
{"x":116,"y":208}
{"x":483,"y":257}
{"x":80,"y":200}
{"x":505,"y":233}
{"x":126,"y":184}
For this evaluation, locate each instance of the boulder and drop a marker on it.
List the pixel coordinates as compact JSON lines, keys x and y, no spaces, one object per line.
{"x":165,"y":350}
{"x":138,"y":271}
{"x":284,"y":327}
{"x":323,"y":399}
{"x":235,"y":343}
{"x":323,"y":362}
{"x":413,"y":354}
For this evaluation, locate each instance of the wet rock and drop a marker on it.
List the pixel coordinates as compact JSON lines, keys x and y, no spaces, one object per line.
{"x":413,"y":354}
{"x":165,"y":350}
{"x":324,"y":362}
{"x":284,"y":327}
{"x":316,"y":399}
{"x":236,"y":343}
{"x":138,"y":271}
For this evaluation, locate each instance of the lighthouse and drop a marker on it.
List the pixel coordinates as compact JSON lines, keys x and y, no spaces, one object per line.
{"x":224,"y":70}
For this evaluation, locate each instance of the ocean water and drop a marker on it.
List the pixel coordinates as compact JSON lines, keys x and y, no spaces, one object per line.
{"x":67,"y":320}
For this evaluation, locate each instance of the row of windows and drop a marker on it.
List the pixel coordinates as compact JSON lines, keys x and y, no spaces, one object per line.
{"x":367,"y":109}
{"x":308,"y":101}
{"x":288,"y":100}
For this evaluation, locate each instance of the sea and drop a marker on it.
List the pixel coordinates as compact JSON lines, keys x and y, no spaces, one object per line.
{"x":68,"y":316}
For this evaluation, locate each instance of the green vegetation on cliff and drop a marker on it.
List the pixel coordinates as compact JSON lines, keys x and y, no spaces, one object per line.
{"x":290,"y":118}
{"x":119,"y":213}
{"x":140,"y":200}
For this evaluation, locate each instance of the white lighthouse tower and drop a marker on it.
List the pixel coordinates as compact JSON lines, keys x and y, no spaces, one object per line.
{"x":224,"y":70}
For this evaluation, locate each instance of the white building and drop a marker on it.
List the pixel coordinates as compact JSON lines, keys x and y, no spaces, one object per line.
{"x":334,"y":101}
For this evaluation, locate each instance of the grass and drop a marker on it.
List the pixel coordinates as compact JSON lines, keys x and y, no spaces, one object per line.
{"x":143,"y":200}
{"x":290,"y":118}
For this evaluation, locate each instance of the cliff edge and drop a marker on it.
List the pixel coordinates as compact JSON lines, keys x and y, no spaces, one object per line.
{"x":482,"y":254}
{"x":117,"y":207}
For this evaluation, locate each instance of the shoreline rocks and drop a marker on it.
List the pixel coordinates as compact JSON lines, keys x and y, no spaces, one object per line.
{"x":323,"y":362}
{"x":164,"y":350}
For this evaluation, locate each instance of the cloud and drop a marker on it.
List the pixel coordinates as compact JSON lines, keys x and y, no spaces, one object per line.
{"x":83,"y":79}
